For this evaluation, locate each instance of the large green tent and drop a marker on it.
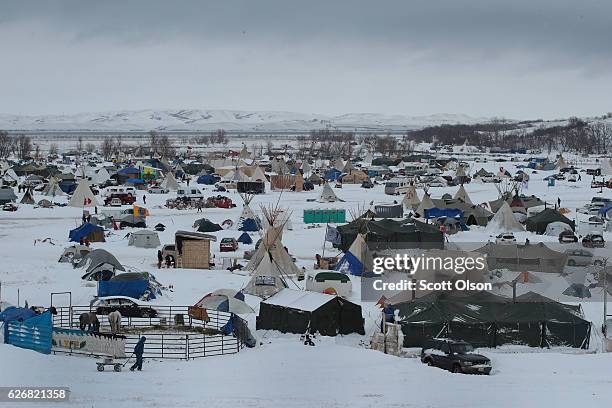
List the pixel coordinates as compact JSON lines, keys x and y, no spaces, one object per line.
{"x":391,"y":234}
{"x":540,"y":221}
{"x":487,"y":320}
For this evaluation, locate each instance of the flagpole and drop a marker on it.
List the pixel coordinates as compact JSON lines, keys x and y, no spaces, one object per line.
{"x":325,"y":238}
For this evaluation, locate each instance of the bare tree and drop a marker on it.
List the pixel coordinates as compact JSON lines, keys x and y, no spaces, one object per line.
{"x":24,"y":146}
{"x":6,"y":144}
{"x":90,"y":148}
{"x":79,"y":146}
{"x":165,"y":146}
{"x":53,"y":149}
{"x":107,"y":148}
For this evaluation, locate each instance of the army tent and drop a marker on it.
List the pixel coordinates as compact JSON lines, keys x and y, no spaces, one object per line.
{"x":487,"y":320}
{"x":540,"y":221}
{"x":299,"y":312}
{"x":205,"y":225}
{"x":529,"y":257}
{"x":7,"y":195}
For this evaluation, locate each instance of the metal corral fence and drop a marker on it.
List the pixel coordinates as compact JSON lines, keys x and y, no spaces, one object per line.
{"x":171,"y":334}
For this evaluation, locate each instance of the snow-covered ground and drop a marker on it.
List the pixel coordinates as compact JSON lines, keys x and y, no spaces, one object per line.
{"x":281,"y":371}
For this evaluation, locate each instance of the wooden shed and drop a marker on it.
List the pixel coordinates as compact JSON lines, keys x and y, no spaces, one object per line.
{"x":193,"y":249}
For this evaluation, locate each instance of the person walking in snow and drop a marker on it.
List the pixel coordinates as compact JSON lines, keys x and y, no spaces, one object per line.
{"x":160,"y":259}
{"x":138,"y":352}
{"x":144,"y":199}
{"x":559,"y":202}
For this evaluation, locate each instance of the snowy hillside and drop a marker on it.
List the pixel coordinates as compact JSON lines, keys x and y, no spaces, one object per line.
{"x":195,"y":119}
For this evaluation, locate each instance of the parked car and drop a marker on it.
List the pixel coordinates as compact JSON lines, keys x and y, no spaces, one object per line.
{"x":9,"y":207}
{"x":128,"y":307}
{"x":505,"y":238}
{"x":367,"y":184}
{"x":581,"y":257}
{"x":593,"y":241}
{"x":169,"y":250}
{"x":455,"y":356}
{"x":228,"y":245}
{"x":158,"y":190}
{"x":567,"y":237}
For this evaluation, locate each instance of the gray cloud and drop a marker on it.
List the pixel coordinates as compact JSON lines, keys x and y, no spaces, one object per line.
{"x":515,"y":58}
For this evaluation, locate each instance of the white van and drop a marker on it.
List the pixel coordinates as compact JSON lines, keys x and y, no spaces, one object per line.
{"x":397,"y":186}
{"x":189,"y":192}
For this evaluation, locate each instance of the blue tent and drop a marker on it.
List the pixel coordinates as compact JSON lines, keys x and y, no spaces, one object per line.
{"x":332,"y":174}
{"x":85,"y":231}
{"x":207,"y":179}
{"x":604,"y":210}
{"x":351,"y":264}
{"x":135,"y":181}
{"x":245,"y":239}
{"x":443,"y":212}
{"x":128,"y":170}
{"x":249,"y":224}
{"x":132,"y":288}
{"x":67,"y":186}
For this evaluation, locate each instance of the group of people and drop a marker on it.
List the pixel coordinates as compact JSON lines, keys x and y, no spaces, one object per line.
{"x":170,"y":262}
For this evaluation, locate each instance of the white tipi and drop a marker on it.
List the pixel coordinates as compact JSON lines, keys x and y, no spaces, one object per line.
{"x":463,"y":195}
{"x":411,"y":199}
{"x":83,"y":196}
{"x":426,"y":204}
{"x":504,"y":221}
{"x":328,"y":195}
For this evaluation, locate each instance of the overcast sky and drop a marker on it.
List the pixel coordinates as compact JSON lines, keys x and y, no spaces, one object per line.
{"x":513,"y":58}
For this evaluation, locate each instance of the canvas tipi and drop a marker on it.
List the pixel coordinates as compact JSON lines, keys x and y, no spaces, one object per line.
{"x":426,"y":204}
{"x":411,"y":199}
{"x":328,"y":195}
{"x":357,"y":260}
{"x":170,"y":182}
{"x":504,"y":221}
{"x":271,"y":264}
{"x":53,"y":189}
{"x":83,"y":196}
{"x":463,"y":195}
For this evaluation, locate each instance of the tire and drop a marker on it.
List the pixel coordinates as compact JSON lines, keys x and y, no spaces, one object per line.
{"x":457,"y":369}
{"x":100,"y":367}
{"x":117,"y":367}
{"x":429,"y":362}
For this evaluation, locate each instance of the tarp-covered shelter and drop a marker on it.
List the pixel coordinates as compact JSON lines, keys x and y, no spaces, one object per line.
{"x":299,"y":312}
{"x":486,"y":320}
{"x":205,"y":225}
{"x":87,"y":231}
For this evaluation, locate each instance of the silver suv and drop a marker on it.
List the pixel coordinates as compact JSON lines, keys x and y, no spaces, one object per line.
{"x":581,"y":257}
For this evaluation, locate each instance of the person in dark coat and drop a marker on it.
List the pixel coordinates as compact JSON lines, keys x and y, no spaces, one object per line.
{"x":144,"y":199}
{"x":160,"y":259}
{"x":138,"y":352}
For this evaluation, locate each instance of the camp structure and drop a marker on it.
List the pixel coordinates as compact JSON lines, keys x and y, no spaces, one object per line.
{"x":83,"y":196}
{"x":357,"y":260}
{"x":248,"y":221}
{"x":27,"y":197}
{"x":486,"y":320}
{"x":389,"y":210}
{"x":87,"y":232}
{"x":53,"y":189}
{"x":205,"y":225}
{"x":99,"y":264}
{"x":144,"y":239}
{"x":328,"y":195}
{"x":411,"y":199}
{"x":529,"y":257}
{"x":193,"y":249}
{"x":390,"y":234}
{"x":132,"y":221}
{"x":329,"y":282}
{"x":462,"y":195}
{"x":74,"y":253}
{"x":170,"y":182}
{"x":245,"y":239}
{"x":299,"y":312}
{"x":425,"y":204}
{"x":7,"y":195}
{"x":539,"y":222}
{"x":504,"y":221}
{"x":561,"y":164}
{"x":271,"y":265}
